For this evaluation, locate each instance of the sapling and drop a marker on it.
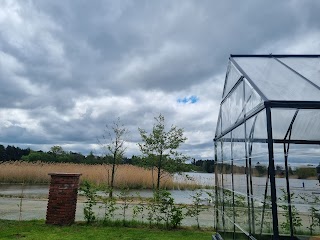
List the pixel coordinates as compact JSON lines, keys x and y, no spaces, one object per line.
{"x":20,"y":204}
{"x":138,"y":209}
{"x":126,"y":200}
{"x":109,"y":205}
{"x":196,"y":208}
{"x":171,"y":214}
{"x":91,"y":194}
{"x":296,"y":219}
{"x":152,"y":206}
{"x":312,"y":201}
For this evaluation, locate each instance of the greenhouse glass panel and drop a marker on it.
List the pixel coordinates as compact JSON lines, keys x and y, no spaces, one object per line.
{"x":218,"y":129}
{"x":219,"y":184}
{"x":307,"y":67}
{"x":226,"y":170}
{"x":259,"y":124}
{"x":240,"y":178}
{"x":286,"y":84}
{"x":231,"y":109}
{"x":297,"y":194}
{"x":281,"y":119}
{"x":252,"y":98}
{"x":232,"y":77}
{"x":307,"y":125}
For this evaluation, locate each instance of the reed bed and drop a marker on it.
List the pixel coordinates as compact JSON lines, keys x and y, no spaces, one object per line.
{"x":129,"y":176}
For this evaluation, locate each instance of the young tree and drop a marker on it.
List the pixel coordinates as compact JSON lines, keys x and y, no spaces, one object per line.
{"x":57,"y":150}
{"x":113,"y":144}
{"x":162,"y":146}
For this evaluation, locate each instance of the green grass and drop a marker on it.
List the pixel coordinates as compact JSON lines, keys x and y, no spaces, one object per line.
{"x":39,"y":230}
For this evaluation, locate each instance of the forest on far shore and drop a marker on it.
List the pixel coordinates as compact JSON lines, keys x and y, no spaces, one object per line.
{"x":57,"y":154}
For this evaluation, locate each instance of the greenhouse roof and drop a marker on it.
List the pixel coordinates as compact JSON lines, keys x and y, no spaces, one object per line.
{"x":277,"y":77}
{"x":290,"y":83}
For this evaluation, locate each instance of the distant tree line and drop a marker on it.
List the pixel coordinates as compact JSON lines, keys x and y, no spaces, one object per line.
{"x":57,"y":154}
{"x":12,"y":153}
{"x":204,"y":165}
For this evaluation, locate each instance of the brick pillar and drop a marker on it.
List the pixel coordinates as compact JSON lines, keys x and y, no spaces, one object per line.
{"x":62,"y":202}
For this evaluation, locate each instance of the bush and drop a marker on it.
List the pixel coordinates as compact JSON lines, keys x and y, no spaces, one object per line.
{"x":307,"y":172}
{"x":91,"y":194}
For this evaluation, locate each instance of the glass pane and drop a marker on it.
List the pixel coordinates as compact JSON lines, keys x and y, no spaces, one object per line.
{"x":240,"y":179}
{"x":276,"y":81}
{"x":252,"y":98}
{"x":227,"y":183}
{"x":303,"y":186}
{"x":307,"y":125}
{"x":281,"y":119}
{"x":219,"y":183}
{"x":231,"y":109}
{"x":218,"y":128}
{"x":231,"y":79}
{"x":261,"y":190}
{"x":307,"y":67}
{"x":260,"y":126}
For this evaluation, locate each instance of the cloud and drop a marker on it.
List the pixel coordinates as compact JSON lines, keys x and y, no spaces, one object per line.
{"x":68,"y":68}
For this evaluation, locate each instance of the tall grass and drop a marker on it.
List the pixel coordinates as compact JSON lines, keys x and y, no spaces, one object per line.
{"x":126,"y":175}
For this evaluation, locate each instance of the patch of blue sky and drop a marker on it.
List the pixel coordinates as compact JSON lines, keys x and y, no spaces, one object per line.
{"x":192,"y":99}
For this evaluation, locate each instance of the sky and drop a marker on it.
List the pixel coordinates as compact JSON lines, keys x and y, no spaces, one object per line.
{"x":69,"y":68}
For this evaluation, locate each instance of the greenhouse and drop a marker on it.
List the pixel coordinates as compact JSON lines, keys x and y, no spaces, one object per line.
{"x":267,"y":148}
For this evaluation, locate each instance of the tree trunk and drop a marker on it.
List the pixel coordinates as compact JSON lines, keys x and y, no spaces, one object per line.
{"x":159,"y":171}
{"x":152,"y":175}
{"x":112,"y":175}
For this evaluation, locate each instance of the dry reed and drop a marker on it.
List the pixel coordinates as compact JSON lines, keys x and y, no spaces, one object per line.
{"x":37,"y":173}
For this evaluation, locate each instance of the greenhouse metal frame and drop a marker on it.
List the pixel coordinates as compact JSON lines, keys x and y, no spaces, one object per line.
{"x":269,"y":119}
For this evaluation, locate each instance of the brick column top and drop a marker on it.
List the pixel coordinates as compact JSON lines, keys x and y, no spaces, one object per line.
{"x":65,"y":174}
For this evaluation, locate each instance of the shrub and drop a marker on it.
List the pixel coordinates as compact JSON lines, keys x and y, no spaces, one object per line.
{"x":306,"y":172}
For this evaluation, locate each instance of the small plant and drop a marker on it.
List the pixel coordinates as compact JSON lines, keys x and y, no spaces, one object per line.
{"x":20,"y":204}
{"x":152,"y":206}
{"x":264,"y":225}
{"x":138,"y":209}
{"x":109,"y":204}
{"x":126,"y":200}
{"x":312,"y":200}
{"x":171,"y":214}
{"x":196,"y":208}
{"x":296,"y":219}
{"x":90,"y":193}
{"x":161,"y":208}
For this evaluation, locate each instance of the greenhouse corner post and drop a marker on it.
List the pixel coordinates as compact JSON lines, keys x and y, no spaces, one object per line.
{"x":272,"y":176}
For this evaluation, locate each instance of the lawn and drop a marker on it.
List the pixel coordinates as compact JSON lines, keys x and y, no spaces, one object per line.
{"x":39,"y":230}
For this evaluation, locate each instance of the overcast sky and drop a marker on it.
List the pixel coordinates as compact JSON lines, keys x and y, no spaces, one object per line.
{"x":68,"y":68}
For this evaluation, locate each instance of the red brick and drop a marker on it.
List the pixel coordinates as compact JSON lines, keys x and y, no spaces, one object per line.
{"x":62,"y":198}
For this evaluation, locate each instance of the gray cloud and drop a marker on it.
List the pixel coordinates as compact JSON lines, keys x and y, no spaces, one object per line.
{"x":68,"y":68}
